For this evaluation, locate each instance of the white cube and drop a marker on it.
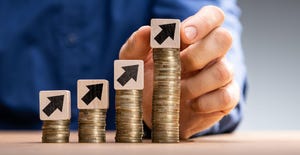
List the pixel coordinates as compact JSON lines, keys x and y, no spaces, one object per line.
{"x":55,"y":105}
{"x":92,"y":94}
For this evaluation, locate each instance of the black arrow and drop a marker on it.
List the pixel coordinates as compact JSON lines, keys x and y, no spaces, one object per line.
{"x":168,"y":30}
{"x":94,"y":91}
{"x":130,"y":73}
{"x":56,"y":102}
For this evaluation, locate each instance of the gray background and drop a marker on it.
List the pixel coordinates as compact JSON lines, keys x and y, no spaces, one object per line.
{"x":271,"y":44}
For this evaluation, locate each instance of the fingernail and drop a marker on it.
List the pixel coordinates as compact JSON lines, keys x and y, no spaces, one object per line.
{"x":190,"y":32}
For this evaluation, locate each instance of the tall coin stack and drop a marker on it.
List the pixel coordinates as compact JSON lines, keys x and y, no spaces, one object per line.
{"x":55,"y":111}
{"x":165,"y":41}
{"x":129,"y":84}
{"x":93,"y":103}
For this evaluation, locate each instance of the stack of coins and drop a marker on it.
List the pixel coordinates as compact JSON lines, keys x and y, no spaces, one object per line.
{"x":166,"y":95}
{"x":129,"y":85}
{"x":55,"y":112}
{"x":56,"y":131}
{"x":92,"y":102}
{"x":129,"y":116}
{"x":92,"y":125}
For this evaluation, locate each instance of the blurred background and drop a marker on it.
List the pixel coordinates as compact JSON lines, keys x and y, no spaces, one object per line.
{"x":272,"y":50}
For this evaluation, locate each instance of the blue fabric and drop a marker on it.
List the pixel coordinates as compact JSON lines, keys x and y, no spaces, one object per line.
{"x":50,"y":44}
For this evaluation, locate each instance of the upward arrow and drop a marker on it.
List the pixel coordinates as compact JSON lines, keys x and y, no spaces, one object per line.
{"x":94,"y":91}
{"x":168,"y":30}
{"x":130,"y":73}
{"x":56,"y":102}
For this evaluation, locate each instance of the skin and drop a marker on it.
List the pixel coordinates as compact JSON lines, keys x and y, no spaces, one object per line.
{"x":208,"y":89}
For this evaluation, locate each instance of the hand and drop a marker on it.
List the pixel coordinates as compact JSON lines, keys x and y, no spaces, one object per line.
{"x":208,"y":91}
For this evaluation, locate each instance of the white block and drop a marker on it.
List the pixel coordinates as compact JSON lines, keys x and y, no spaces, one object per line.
{"x":92,"y":94}
{"x":165,"y":33}
{"x":55,"y":105}
{"x":128,"y":74}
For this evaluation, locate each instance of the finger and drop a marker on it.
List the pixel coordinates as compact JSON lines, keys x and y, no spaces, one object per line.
{"x":207,"y":80}
{"x":209,"y":109}
{"x":192,"y":122}
{"x":198,"y":123}
{"x":199,"y":25}
{"x":137,"y":46}
{"x":198,"y":55}
{"x":221,"y":100}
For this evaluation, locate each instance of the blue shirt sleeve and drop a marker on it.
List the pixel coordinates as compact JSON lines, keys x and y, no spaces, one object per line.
{"x":183,"y":9}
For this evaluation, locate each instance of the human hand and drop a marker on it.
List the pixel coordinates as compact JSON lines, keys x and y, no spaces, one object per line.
{"x":208,"y":90}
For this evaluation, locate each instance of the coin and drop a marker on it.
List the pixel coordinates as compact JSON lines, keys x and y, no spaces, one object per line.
{"x":55,"y":131}
{"x":166,"y":95}
{"x":129,"y":116}
{"x":92,"y":123}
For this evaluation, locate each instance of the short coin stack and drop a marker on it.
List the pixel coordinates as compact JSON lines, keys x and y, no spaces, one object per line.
{"x":92,"y":125}
{"x":129,"y":116}
{"x":167,"y":74}
{"x":92,"y":104}
{"x":56,"y":131}
{"x":55,"y":111}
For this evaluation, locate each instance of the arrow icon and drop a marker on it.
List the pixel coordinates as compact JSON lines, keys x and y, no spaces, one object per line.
{"x":130,"y":73}
{"x":94,"y":91}
{"x":56,"y":102}
{"x":168,"y":30}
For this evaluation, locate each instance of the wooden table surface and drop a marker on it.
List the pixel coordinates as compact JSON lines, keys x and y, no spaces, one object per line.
{"x":283,"y":142}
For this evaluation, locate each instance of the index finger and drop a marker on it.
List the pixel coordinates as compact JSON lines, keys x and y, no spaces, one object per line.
{"x":196,"y":27}
{"x":137,"y":46}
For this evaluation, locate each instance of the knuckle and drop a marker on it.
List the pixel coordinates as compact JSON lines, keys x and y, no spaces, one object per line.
{"x":217,"y":15}
{"x":223,"y":38}
{"x":193,"y":59}
{"x":229,"y":97}
{"x":185,"y":90}
{"x":225,"y":98}
{"x":190,"y":91}
{"x":206,"y":22}
{"x":226,"y":112}
{"x":197,"y":105}
{"x":223,"y":72}
{"x":130,"y":42}
{"x":128,"y":47}
{"x":237,"y":92}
